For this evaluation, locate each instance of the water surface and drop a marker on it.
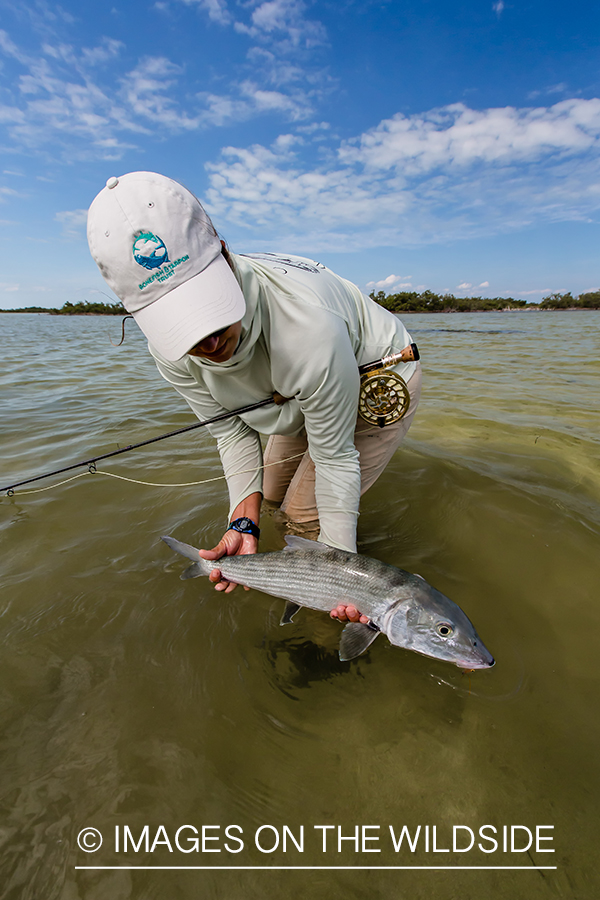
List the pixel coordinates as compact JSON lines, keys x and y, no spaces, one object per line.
{"x":130,"y":698}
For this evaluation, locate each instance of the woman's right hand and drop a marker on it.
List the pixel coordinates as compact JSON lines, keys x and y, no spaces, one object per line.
{"x":233,"y":543}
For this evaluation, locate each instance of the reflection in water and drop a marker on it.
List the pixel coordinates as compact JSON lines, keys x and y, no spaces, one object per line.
{"x":297,"y":664}
{"x":417,"y":331}
{"x":131,"y":698}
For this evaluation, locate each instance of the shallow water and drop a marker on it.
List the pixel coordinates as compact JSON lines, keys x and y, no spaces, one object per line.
{"x":130,"y":698}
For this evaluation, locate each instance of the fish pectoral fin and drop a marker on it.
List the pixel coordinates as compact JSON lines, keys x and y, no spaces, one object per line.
{"x":192,"y":572}
{"x":355,"y":639}
{"x":289,"y":612}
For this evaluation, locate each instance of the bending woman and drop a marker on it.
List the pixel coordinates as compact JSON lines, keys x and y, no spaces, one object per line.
{"x":228,"y":330}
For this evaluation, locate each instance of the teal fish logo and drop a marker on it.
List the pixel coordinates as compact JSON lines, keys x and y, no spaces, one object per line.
{"x":149,"y":251}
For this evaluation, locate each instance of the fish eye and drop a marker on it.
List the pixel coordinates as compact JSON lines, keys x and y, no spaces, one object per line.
{"x":444,"y":629}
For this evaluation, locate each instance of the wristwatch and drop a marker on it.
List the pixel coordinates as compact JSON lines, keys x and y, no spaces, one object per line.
{"x":246,"y":526}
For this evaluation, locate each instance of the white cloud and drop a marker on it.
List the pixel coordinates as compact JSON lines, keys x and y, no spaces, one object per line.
{"x":281,"y":24}
{"x":484,"y":284}
{"x":11,"y":115}
{"x":456,"y":136}
{"x":60,"y":103}
{"x":251,"y":101}
{"x":561,"y":88}
{"x":217,"y":9}
{"x":464,"y":286}
{"x":537,"y":291}
{"x":73,"y":221}
{"x":144,"y":92}
{"x":80,"y":103}
{"x":277,"y":71}
{"x":392,"y":281}
{"x":6,"y":193}
{"x":74,"y":101}
{"x":9,"y":288}
{"x":498,"y":7}
{"x":313,"y":127}
{"x":107,"y":49}
{"x":446,"y":174}
{"x":283,"y":21}
{"x":10,"y":48}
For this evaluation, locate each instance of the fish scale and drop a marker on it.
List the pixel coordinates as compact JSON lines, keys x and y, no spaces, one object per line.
{"x":312,"y":578}
{"x":411,"y":612}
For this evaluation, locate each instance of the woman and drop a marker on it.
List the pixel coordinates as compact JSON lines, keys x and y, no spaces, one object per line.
{"x":228,"y":330}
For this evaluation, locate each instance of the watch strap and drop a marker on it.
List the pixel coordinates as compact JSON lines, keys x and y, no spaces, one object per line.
{"x":245,"y":526}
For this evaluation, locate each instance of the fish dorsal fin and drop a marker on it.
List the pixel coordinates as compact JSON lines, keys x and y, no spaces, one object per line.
{"x":294,"y":542}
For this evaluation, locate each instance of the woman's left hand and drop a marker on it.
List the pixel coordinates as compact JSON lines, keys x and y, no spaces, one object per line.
{"x":348,"y":614}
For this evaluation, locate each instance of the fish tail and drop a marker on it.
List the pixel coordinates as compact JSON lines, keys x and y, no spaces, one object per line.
{"x":200,"y":567}
{"x":193,"y":571}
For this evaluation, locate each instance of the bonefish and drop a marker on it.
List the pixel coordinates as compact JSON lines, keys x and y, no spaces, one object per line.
{"x":408,"y":610}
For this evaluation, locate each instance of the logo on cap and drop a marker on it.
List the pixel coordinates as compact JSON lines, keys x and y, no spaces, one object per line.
{"x":149,"y":251}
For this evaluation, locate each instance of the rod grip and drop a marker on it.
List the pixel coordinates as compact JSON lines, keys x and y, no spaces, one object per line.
{"x":409,"y":354}
{"x":279,"y":399}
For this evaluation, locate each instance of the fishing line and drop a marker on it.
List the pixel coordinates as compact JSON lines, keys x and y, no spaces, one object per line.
{"x":497,"y":698}
{"x":94,"y":471}
{"x":122,"y":332}
{"x":383,"y":399}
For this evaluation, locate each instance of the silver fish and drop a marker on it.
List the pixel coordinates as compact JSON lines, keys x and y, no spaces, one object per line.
{"x":405,"y":607}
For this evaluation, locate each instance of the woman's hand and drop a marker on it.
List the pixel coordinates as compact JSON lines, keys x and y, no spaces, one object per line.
{"x":233,"y":543}
{"x":348,"y":614}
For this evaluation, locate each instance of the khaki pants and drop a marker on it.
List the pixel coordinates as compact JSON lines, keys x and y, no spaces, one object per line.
{"x":292,"y":483}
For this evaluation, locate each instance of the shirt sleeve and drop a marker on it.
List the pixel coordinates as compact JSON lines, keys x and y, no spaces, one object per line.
{"x":325,"y":376}
{"x":238,"y":444}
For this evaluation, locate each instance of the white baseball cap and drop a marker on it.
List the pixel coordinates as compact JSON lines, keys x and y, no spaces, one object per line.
{"x":159,"y":252}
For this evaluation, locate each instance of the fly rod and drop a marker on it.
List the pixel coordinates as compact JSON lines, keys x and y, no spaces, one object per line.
{"x":409,"y":354}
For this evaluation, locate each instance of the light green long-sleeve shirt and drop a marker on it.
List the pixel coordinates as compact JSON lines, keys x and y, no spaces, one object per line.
{"x":304,"y":334}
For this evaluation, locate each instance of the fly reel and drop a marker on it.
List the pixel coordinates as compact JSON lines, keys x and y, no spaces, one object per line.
{"x":383,"y":398}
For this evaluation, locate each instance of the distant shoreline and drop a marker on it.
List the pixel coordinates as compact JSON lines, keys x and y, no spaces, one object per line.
{"x":430,"y":312}
{"x":52,"y":312}
{"x":429,"y":302}
{"x":403,"y":302}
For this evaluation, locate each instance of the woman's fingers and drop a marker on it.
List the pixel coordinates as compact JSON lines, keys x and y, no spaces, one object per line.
{"x":233,"y":543}
{"x":348,"y":613}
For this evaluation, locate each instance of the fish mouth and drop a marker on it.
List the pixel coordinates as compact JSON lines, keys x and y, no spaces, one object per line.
{"x":473,"y":665}
{"x":469,"y":665}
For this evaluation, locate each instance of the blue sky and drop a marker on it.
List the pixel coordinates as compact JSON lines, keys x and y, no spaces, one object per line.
{"x":452,"y":146}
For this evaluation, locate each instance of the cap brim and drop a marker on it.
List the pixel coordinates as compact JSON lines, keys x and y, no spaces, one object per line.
{"x":190,"y":312}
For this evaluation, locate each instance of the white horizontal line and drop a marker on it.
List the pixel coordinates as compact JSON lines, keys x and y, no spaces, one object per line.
{"x":330,"y":868}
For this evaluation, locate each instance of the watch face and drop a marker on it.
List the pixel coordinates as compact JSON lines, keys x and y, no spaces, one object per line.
{"x":246,"y":526}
